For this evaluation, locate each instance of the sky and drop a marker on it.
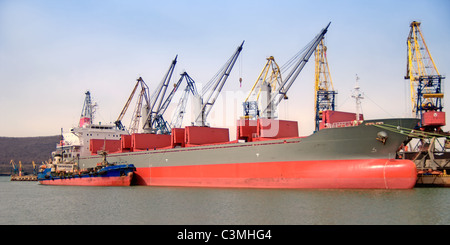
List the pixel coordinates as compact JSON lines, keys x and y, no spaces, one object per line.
{"x":52,"y":52}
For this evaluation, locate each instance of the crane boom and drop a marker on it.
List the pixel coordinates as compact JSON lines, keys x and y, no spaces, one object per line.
{"x":158,"y":96}
{"x":159,"y":124}
{"x":166,"y":103}
{"x":179,"y":112}
{"x":284,"y":87}
{"x":137,"y":113}
{"x":216,"y":88}
{"x":118,"y":122}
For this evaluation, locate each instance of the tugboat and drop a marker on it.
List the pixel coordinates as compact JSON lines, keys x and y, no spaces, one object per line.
{"x":59,"y":172}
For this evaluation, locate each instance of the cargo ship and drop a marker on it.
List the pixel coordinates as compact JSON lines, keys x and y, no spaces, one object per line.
{"x":264,"y":155}
{"x":58,"y":172}
{"x":267,"y":152}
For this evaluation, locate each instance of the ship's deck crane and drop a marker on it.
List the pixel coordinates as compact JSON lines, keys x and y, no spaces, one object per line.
{"x":325,"y":95}
{"x":273,"y":88}
{"x":137,"y":114}
{"x":160,"y":125}
{"x":134,"y":126}
{"x":179,"y":112}
{"x":154,"y":113}
{"x":267,"y":82}
{"x":213,"y":89}
{"x":425,"y":81}
{"x":151,"y":107}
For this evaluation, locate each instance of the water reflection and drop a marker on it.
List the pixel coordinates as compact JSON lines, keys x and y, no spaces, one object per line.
{"x":169,"y":205}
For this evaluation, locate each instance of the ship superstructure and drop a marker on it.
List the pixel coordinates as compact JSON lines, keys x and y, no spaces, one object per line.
{"x":87,"y":137}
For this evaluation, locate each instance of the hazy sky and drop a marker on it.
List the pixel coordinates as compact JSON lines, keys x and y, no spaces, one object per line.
{"x":52,"y":51}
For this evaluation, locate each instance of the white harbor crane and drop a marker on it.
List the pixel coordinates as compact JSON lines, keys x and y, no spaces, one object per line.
{"x":213,"y":89}
{"x":179,"y":112}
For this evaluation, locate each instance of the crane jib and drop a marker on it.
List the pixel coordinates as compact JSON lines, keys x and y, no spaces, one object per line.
{"x":293,"y":74}
{"x":217,"y":88}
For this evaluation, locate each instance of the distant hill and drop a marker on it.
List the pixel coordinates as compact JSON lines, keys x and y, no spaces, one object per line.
{"x":25,"y":149}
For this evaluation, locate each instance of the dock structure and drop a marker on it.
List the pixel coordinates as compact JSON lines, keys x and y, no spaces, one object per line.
{"x":433,"y":179}
{"x":17,"y":173}
{"x":30,"y":177}
{"x":432,"y":159}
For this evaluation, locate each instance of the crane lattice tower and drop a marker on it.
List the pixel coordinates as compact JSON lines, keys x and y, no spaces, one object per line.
{"x":425,"y":80}
{"x":325,"y":96}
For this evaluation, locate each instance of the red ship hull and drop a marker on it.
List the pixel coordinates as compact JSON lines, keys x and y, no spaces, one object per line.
{"x":91,"y":181}
{"x":331,"y":174}
{"x":357,"y":157}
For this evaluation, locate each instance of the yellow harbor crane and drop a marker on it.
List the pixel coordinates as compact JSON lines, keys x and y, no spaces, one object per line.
{"x":270,"y":89}
{"x":268,"y":81}
{"x":425,"y":81}
{"x":134,"y":126}
{"x":15,"y":168}
{"x":324,"y":96}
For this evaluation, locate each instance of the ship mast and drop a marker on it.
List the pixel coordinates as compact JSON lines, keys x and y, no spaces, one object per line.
{"x":358,"y":96}
{"x":87,"y":113}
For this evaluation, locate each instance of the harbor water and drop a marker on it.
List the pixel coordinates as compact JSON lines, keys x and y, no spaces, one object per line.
{"x":29,"y":203}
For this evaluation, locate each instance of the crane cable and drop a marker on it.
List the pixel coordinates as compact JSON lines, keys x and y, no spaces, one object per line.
{"x":213,"y":80}
{"x":292,"y":61}
{"x":409,"y":132}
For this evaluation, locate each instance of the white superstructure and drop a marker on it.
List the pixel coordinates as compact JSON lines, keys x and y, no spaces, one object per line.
{"x":76,"y":143}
